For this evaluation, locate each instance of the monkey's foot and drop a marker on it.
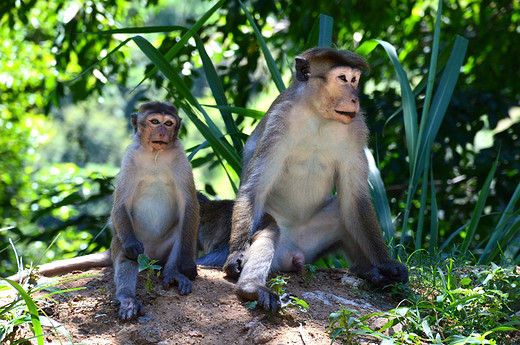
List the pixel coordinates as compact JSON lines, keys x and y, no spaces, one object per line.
{"x":233,"y":265}
{"x":384,"y":274}
{"x":184,"y":285}
{"x":130,"y":308}
{"x":256,"y":292}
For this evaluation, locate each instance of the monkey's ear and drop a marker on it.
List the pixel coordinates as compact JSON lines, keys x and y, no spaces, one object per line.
{"x":134,"y":120}
{"x":302,"y":68}
{"x":178,"y":125}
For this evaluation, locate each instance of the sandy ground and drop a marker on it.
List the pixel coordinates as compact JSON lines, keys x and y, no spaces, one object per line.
{"x":211,"y":314}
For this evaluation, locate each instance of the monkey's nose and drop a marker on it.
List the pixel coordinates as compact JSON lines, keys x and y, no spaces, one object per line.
{"x":354,"y":100}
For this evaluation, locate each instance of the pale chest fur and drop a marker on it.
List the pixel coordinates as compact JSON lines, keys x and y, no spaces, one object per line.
{"x":306,"y":165}
{"x":157,"y":207}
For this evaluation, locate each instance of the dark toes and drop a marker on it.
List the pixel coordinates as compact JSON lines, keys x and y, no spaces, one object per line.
{"x":130,"y":308}
{"x":184,"y":285}
{"x":268,"y":300}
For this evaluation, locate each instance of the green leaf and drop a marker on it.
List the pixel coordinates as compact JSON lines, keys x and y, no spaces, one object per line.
{"x":410,"y":113}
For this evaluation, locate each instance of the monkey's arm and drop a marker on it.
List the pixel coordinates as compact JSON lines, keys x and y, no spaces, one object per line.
{"x":190,"y":226}
{"x":120,"y":219}
{"x":368,"y":252}
{"x":255,"y":186}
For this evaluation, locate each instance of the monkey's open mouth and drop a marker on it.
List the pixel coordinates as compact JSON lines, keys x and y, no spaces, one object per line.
{"x":160,"y":142}
{"x":350,"y":114}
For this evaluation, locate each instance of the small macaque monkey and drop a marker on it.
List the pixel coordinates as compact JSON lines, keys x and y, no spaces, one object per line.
{"x":155,"y":211}
{"x":155,"y":208}
{"x":311,"y":140}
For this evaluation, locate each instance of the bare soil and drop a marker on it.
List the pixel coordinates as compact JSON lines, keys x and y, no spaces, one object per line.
{"x":211,"y":314}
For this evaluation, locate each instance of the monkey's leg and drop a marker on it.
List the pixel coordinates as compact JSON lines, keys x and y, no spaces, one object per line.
{"x":125,"y":277}
{"x":256,"y":266}
{"x":171,"y":272}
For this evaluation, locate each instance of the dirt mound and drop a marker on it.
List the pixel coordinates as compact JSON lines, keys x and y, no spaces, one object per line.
{"x":211,"y":314}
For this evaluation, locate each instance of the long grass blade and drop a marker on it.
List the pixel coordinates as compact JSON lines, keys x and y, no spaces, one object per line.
{"x":31,"y":307}
{"x":255,"y":114}
{"x":185,"y":38}
{"x":271,"y":65}
{"x":218,"y":93}
{"x":434,"y":221}
{"x":377,"y":189}
{"x":440,"y":103}
{"x":141,"y":30}
{"x":501,"y":230}
{"x":479,"y":207}
{"x":422,"y":209}
{"x":325,"y":33}
{"x":409,"y":110}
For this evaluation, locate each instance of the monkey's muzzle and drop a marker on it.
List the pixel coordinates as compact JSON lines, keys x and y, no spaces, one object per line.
{"x":349,"y":115}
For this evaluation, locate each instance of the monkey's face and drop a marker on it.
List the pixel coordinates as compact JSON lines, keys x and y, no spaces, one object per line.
{"x":160,"y":131}
{"x":338,"y":100}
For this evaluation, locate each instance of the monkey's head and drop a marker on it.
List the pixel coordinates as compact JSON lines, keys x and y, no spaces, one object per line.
{"x":156,"y":125}
{"x":330,"y":78}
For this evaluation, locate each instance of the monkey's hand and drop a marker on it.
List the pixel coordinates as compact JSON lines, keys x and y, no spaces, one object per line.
{"x":175,"y":278}
{"x":233,"y":265}
{"x":130,"y":308}
{"x":386,"y":273}
{"x":189,"y":269}
{"x":132,"y":248}
{"x":256,"y":292}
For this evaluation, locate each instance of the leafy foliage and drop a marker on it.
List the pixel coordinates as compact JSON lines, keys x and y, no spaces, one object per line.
{"x":449,"y":303}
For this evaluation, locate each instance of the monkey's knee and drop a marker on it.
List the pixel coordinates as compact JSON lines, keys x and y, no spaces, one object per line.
{"x":130,"y":308}
{"x":233,"y":266}
{"x":255,"y":292}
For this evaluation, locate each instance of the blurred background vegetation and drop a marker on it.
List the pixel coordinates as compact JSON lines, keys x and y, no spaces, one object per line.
{"x":66,"y":93}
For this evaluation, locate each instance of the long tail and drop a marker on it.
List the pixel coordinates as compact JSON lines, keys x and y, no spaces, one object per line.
{"x":59,"y":267}
{"x":216,"y":258}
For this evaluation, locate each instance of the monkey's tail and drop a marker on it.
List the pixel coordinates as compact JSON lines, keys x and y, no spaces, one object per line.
{"x":216,"y":258}
{"x":101,"y":259}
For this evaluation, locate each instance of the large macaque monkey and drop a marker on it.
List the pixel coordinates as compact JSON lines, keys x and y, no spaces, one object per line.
{"x":311,"y":140}
{"x":155,"y":207}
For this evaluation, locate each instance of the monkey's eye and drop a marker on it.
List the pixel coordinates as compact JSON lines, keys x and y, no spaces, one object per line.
{"x":168,"y":123}
{"x":154,"y":121}
{"x":342,"y":78}
{"x":353,"y":80}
